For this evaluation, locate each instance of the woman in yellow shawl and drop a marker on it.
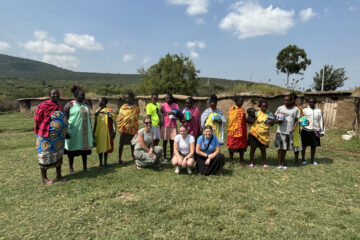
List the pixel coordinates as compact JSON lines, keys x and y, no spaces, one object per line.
{"x":104,"y":131}
{"x":128,"y":124}
{"x":259,"y":136}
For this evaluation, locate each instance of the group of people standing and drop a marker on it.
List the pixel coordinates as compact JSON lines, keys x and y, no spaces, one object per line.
{"x":69,"y":131}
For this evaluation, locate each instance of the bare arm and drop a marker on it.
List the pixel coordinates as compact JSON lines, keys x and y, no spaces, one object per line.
{"x":176,"y":152}
{"x":199,"y":152}
{"x":192,"y":150}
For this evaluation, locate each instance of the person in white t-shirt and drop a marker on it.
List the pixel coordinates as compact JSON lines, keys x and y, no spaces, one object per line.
{"x":184,"y":149}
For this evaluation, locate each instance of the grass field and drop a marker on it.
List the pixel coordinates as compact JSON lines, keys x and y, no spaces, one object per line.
{"x":120,"y":202}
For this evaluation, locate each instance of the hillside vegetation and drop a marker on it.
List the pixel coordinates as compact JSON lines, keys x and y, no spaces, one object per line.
{"x":22,"y":78}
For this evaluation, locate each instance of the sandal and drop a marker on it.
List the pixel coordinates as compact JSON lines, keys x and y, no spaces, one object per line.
{"x":122,"y":162}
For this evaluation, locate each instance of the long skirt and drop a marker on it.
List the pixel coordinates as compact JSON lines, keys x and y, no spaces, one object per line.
{"x":142,"y":158}
{"x":51,"y":149}
{"x":214,"y":167}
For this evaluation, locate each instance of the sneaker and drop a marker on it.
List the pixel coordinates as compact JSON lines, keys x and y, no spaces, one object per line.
{"x":304,"y":162}
{"x":189,"y":170}
{"x":315,"y":163}
{"x":251,"y":165}
{"x":279,"y":167}
{"x":284,"y":167}
{"x":177,"y":169}
{"x":165,"y":160}
{"x":265,"y":166}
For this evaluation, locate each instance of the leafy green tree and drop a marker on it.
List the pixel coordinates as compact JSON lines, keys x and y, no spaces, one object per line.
{"x":292,"y":60}
{"x":333,"y":78}
{"x":172,"y":74}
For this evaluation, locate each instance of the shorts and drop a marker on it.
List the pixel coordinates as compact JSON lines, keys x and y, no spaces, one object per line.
{"x":309,"y":138}
{"x":255,"y":143}
{"x":284,"y":142}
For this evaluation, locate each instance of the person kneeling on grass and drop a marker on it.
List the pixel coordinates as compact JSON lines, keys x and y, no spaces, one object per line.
{"x":184,"y":149}
{"x":287,"y":116}
{"x":209,"y":160}
{"x":259,"y":136}
{"x":146,"y":154}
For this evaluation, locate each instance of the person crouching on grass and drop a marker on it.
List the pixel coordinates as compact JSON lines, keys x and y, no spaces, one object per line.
{"x":237,"y":131}
{"x":184,"y":149}
{"x":104,"y":131}
{"x":259,"y":136}
{"x":287,"y":116}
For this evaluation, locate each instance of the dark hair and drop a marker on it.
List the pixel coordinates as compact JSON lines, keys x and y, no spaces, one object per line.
{"x":75,"y":90}
{"x":170,"y":96}
{"x":154,"y":95}
{"x":264,"y":101}
{"x":190,"y":98}
{"x":312,"y":99}
{"x":208,"y":127}
{"x":131,"y":95}
{"x":147,"y":117}
{"x":104,"y":99}
{"x":213,"y":98}
{"x":237,"y":98}
{"x":251,"y":111}
{"x":293,"y":96}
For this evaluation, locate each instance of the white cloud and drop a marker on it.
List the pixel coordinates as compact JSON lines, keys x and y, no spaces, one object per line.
{"x":200,"y":21}
{"x":61,"y":60}
{"x":306,"y":14}
{"x":83,"y":41}
{"x":4,"y":46}
{"x":48,"y":47}
{"x":146,"y":60}
{"x":195,"y":7}
{"x":41,"y":35}
{"x":250,"y":20}
{"x":196,"y":44}
{"x":128,"y":57}
{"x":194,"y":55}
{"x":352,"y":8}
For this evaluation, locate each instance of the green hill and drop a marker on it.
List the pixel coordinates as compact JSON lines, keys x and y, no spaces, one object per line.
{"x":21,"y":78}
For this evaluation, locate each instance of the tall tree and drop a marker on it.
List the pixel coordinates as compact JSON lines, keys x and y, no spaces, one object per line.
{"x":292,"y":60}
{"x":333,"y":78}
{"x":172,"y":74}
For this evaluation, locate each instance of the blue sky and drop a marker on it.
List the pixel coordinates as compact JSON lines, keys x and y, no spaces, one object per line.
{"x":225,"y":38}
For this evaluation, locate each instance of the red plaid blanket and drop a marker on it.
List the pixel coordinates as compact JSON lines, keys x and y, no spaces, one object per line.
{"x":42,"y":117}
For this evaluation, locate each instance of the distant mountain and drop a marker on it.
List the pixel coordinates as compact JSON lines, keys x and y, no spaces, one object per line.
{"x":27,"y":69}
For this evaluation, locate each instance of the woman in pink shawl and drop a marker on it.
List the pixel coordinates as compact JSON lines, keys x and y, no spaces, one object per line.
{"x":192,"y":119}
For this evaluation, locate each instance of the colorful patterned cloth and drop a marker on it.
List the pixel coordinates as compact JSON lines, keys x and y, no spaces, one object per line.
{"x":237,"y":129}
{"x":218,"y":128}
{"x":42,"y":117}
{"x":260,"y":129}
{"x":79,"y":129}
{"x":194,"y":124}
{"x":103,"y":129}
{"x":128,"y":119}
{"x":51,"y":149}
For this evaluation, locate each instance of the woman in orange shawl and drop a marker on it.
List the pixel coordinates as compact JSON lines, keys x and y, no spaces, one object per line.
{"x":237,"y":132}
{"x":128,"y":124}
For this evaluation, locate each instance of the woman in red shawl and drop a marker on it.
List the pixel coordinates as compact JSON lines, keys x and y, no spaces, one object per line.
{"x":192,"y":119}
{"x":50,"y":129}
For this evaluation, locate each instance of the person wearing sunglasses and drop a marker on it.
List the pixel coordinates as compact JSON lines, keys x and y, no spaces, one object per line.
{"x":146,"y":154}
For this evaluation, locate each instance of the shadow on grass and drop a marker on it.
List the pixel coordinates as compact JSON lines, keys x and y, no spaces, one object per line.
{"x":324,"y":160}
